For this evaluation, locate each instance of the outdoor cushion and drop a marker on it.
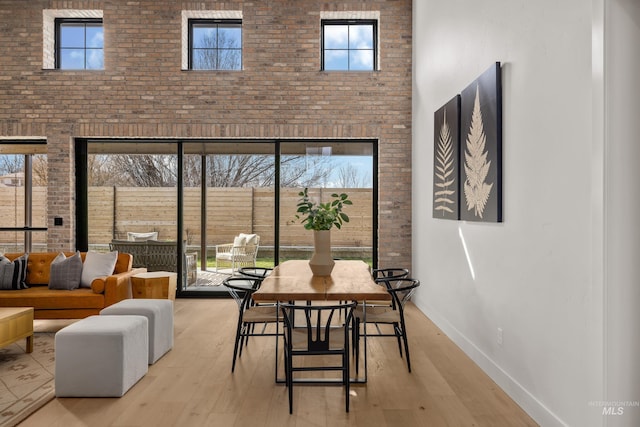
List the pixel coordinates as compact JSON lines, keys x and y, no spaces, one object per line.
{"x":239,"y":241}
{"x":141,"y":237}
{"x":251,"y":239}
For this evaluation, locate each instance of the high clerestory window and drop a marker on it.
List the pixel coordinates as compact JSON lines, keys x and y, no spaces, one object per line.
{"x":215,"y":44}
{"x":79,"y":44}
{"x":349,"y":45}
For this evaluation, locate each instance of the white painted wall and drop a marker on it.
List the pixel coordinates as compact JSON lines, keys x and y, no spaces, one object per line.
{"x":622,"y":208}
{"x":539,"y":274}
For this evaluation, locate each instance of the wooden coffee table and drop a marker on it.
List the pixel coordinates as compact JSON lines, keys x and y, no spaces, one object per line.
{"x":16,"y":323}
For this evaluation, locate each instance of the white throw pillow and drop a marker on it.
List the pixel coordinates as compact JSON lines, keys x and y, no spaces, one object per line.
{"x":141,"y":237}
{"x":251,"y":239}
{"x":239,"y":241}
{"x":65,"y":272}
{"x":97,"y":265}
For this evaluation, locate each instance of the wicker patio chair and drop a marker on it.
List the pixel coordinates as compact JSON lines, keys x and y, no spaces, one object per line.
{"x":241,"y":253}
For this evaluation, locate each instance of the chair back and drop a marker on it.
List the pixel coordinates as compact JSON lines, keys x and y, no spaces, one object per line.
{"x":255,"y":272}
{"x":241,"y":289}
{"x":137,"y":249}
{"x":381,"y":275}
{"x":318,"y":326}
{"x":401,"y":290}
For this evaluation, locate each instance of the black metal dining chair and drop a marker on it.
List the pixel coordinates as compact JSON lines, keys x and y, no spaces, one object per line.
{"x":320,"y":334}
{"x":401,"y":290}
{"x":250,"y":315}
{"x":255,"y":272}
{"x":382,"y":275}
{"x":389,"y":273}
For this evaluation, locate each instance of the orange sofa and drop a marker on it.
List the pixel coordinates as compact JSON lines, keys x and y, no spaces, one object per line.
{"x":64,"y":304}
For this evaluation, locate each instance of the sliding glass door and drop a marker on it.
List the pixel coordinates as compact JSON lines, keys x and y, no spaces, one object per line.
{"x":228,"y":191}
{"x":221,"y":204}
{"x":325,"y":168}
{"x":132,"y":196}
{"x":23,"y":192}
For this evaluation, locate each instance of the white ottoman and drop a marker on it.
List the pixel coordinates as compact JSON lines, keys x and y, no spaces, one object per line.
{"x":160,"y":315}
{"x":101,"y":356}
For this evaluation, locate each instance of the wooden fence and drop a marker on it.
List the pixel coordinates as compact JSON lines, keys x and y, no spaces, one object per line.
{"x":114,"y":211}
{"x":12,"y":215}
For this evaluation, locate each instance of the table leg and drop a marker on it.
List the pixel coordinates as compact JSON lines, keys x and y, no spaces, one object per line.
{"x":30,"y":344}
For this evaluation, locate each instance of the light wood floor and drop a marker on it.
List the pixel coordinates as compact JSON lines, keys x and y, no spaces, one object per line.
{"x":192,"y":385}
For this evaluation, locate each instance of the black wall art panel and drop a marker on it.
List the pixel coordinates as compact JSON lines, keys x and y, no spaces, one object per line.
{"x":446,"y":154}
{"x":481,"y":148}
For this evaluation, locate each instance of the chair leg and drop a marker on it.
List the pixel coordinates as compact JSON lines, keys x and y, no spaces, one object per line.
{"x":289,"y":374}
{"x":235,"y":347}
{"x":398,"y":334}
{"x":406,"y":345}
{"x":353,"y":337}
{"x":244,"y":338}
{"x":346,"y":379}
{"x":356,"y":344}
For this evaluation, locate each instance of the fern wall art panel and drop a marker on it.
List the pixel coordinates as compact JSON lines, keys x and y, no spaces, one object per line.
{"x":481,"y":148}
{"x":446,"y":154}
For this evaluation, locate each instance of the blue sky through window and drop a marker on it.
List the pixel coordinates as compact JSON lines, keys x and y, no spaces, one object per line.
{"x":81,"y":46}
{"x":348,"y":47}
{"x":216,"y":46}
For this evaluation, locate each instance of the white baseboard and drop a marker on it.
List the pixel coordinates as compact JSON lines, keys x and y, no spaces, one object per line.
{"x":528,"y":402}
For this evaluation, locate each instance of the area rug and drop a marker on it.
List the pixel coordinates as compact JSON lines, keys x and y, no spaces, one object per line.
{"x":26,"y":379}
{"x":209,"y":278}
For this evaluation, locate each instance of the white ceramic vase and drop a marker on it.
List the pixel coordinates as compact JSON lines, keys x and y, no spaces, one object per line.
{"x":321,"y":262}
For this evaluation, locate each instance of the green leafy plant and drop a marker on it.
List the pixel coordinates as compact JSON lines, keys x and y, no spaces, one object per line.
{"x":322,"y":216}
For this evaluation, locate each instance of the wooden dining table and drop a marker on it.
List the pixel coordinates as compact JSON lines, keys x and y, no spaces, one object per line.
{"x":293,"y":280}
{"x":350,"y":280}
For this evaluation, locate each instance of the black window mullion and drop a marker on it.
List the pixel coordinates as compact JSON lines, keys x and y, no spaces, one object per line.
{"x":350,"y":23}
{"x":58,"y":48}
{"x":84,"y":48}
{"x":215,"y":51}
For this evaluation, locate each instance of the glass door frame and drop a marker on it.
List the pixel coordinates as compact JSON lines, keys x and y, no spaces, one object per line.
{"x":82,"y":202}
{"x":26,"y":148}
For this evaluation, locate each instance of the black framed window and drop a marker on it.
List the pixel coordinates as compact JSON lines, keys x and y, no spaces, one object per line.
{"x":215,"y":44}
{"x":79,"y":44}
{"x":349,"y":45}
{"x":23,"y":191}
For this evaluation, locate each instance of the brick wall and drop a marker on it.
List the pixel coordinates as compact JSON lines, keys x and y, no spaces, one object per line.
{"x":143,"y":92}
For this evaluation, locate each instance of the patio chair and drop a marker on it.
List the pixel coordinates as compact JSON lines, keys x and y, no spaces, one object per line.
{"x":241,"y":253}
{"x":250,"y":315}
{"x":137,"y":249}
{"x":401,"y":290}
{"x":157,"y":256}
{"x":318,"y":336}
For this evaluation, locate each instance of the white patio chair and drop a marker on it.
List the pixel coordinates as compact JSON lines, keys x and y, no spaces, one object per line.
{"x":241,"y":253}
